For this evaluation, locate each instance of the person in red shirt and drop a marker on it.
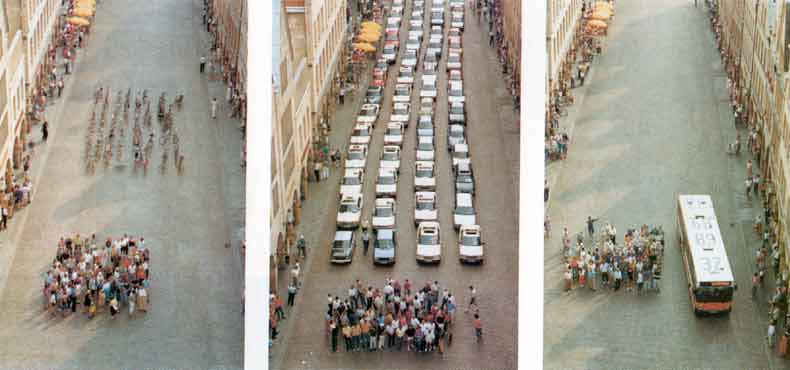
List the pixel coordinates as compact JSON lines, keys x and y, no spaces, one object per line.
{"x":478,"y":325}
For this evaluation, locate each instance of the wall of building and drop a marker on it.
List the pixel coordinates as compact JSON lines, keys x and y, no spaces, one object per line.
{"x":563,"y":19}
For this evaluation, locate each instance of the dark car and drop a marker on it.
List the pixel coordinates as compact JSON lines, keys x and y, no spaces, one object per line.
{"x":373,"y":95}
{"x":384,"y":246}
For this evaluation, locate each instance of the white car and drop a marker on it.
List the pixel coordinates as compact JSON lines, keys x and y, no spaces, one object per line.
{"x":455,"y":135}
{"x":426,"y":106}
{"x":455,"y":76}
{"x":453,"y":61}
{"x":457,"y":3}
{"x":429,"y":245}
{"x":413,"y":43}
{"x":425,"y":149}
{"x":384,"y":214}
{"x":350,"y":211}
{"x":461,"y":154}
{"x":387,"y":183}
{"x":437,"y":18}
{"x":394,"y":134}
{"x":419,"y":4}
{"x":409,"y":58}
{"x":352,"y":181}
{"x":390,"y":157}
{"x":455,"y":92}
{"x":415,"y":30}
{"x":389,"y":53}
{"x":470,"y":244}
{"x":431,"y":61}
{"x":357,"y":156}
{"x":454,"y":45}
{"x":397,"y":9}
{"x":394,"y":20}
{"x":414,"y":22}
{"x":457,"y":21}
{"x":434,"y":46}
{"x":405,"y":75}
{"x":369,"y":113}
{"x":400,"y":112}
{"x":457,"y":114}
{"x":360,"y":134}
{"x":425,"y":207}
{"x":428,"y":88}
{"x":425,"y":126}
{"x":436,"y":31}
{"x":424,"y":176}
{"x":464,"y":212}
{"x":392,"y":27}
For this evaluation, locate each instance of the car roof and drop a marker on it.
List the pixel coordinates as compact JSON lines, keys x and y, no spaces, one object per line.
{"x":402,"y":86}
{"x":422,"y":139}
{"x":456,"y":127}
{"x":429,"y":195}
{"x":385,"y":233}
{"x":457,"y":104}
{"x":343,"y":235}
{"x":357,"y":147}
{"x":386,"y":171}
{"x":428,"y":164}
{"x":464,"y":166}
{"x":362,"y":125}
{"x":369,"y":105}
{"x":353,"y":172}
{"x":351,"y":198}
{"x":401,"y":104}
{"x":462,"y":147}
{"x":464,"y":199}
{"x":394,"y":125}
{"x":385,"y":202}
{"x":391,"y":148}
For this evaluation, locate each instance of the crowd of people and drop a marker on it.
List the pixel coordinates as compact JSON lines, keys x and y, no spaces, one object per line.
{"x":634,"y":264}
{"x":98,"y":275}
{"x":395,"y":317}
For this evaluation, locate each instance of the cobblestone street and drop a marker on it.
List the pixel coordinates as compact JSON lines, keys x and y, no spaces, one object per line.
{"x":194,"y":321}
{"x":651,"y":122}
{"x":493,"y":136}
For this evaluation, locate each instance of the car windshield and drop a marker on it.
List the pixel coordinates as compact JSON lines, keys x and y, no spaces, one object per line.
{"x":410,"y":54}
{"x":392,"y":37}
{"x":393,"y":131}
{"x":465,"y":211}
{"x":351,"y":181}
{"x":352,"y":208}
{"x":424,"y":146}
{"x":374,"y":92}
{"x":460,"y":154}
{"x":429,"y":72}
{"x":457,"y":133}
{"x":428,"y":85}
{"x":406,"y":73}
{"x":369,"y":111}
{"x":453,"y":59}
{"x":425,"y":205}
{"x":401,"y":110}
{"x":464,"y":178}
{"x":356,"y":155}
{"x":385,"y":244}
{"x":436,"y":15}
{"x":456,"y":110}
{"x":386,"y":180}
{"x":424,"y":173}
{"x":455,"y":45}
{"x":401,"y":91}
{"x":429,"y":239}
{"x":471,"y":240}
{"x":361,"y":132}
{"x":383,"y":212}
{"x":425,"y":125}
{"x":456,"y":92}
{"x":340,"y":244}
{"x":430,"y":57}
{"x":390,"y":156}
{"x":714,"y":294}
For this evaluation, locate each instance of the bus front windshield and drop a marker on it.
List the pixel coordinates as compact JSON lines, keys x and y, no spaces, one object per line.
{"x":714,"y":293}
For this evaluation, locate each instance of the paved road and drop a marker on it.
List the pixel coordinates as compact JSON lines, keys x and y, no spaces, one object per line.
{"x":195,"y":319}
{"x":654,"y":123}
{"x":494,"y":141}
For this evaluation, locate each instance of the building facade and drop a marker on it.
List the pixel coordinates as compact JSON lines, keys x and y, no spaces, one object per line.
{"x":230,"y":35}
{"x":563,"y":27}
{"x":291,"y":132}
{"x":511,"y":25}
{"x":39,"y":25}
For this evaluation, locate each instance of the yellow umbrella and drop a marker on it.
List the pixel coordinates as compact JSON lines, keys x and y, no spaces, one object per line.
{"x":364,"y":47}
{"x":603,"y":4}
{"x":370,"y":31}
{"x":600,"y":16}
{"x":597,"y":24}
{"x":83,"y":12}
{"x":603,"y":11}
{"x":79,"y":21}
{"x":367,"y":37}
{"x":369,"y":24}
{"x":85,"y":5}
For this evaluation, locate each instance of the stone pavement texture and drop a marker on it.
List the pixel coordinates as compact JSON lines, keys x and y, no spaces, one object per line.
{"x":194,"y":321}
{"x":494,"y":146}
{"x":652,"y":121}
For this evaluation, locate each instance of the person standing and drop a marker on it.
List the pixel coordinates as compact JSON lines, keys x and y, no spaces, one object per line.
{"x":365,"y":241}
{"x":478,"y":325}
{"x":334,"y":333}
{"x":591,"y":225}
{"x":342,"y":95}
{"x":4,"y":219}
{"x":60,"y":86}
{"x":213,"y":108}
{"x":301,"y":246}
{"x":771,"y":334}
{"x":202,"y":64}
{"x":472,"y":300}
{"x":317,"y":171}
{"x":291,"y":294}
{"x":44,"y":131}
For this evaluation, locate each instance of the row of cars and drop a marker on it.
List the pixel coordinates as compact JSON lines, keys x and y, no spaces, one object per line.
{"x":426,"y":212}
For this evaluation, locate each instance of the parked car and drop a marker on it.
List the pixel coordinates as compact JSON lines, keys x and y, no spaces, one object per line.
{"x":394,"y":134}
{"x":464,"y":212}
{"x":400,"y":112}
{"x":402,"y":93}
{"x":464,"y":178}
{"x":418,"y":4}
{"x":460,"y":154}
{"x":426,"y":105}
{"x":455,"y":135}
{"x":379,"y":78}
{"x":436,"y":31}
{"x":425,"y":208}
{"x":413,"y":42}
{"x":387,"y":183}
{"x":405,"y":75}
{"x":342,"y":250}
{"x":392,"y":38}
{"x":455,"y":92}
{"x":437,"y":18}
{"x":429,"y":245}
{"x":457,"y":22}
{"x":425,"y":148}
{"x":390,"y":157}
{"x":455,"y":76}
{"x":470,"y":244}
{"x":381,"y":66}
{"x":454,"y":32}
{"x":369,"y":113}
{"x":424,"y":176}
{"x":384,"y":247}
{"x":409,"y":58}
{"x":428,"y":88}
{"x":425,"y":126}
{"x":453,"y":61}
{"x":389,"y":53}
{"x":352,"y":181}
{"x":350,"y":211}
{"x":454,"y":45}
{"x":357,"y":156}
{"x":360,"y":134}
{"x":415,"y":30}
{"x":384,"y":213}
{"x":457,"y":113}
{"x":434,"y":47}
{"x":373,"y":95}
{"x":430,"y":61}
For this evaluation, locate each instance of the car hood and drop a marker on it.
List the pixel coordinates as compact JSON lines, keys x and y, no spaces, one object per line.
{"x":388,"y":188}
{"x":464,"y":219}
{"x":429,"y":250}
{"x":455,"y":140}
{"x":424,"y":155}
{"x":355,"y":163}
{"x":384,"y":253}
{"x":341,"y":252}
{"x":360,"y":139}
{"x":389,"y":164}
{"x":366,"y":118}
{"x":399,"y":117}
{"x":454,"y":99}
{"x":393,"y":138}
{"x":471,"y":251}
{"x":350,"y":189}
{"x":456,"y":161}
{"x":347,"y":217}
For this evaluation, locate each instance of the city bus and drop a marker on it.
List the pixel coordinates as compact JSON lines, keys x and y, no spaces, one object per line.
{"x":711,"y":283}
